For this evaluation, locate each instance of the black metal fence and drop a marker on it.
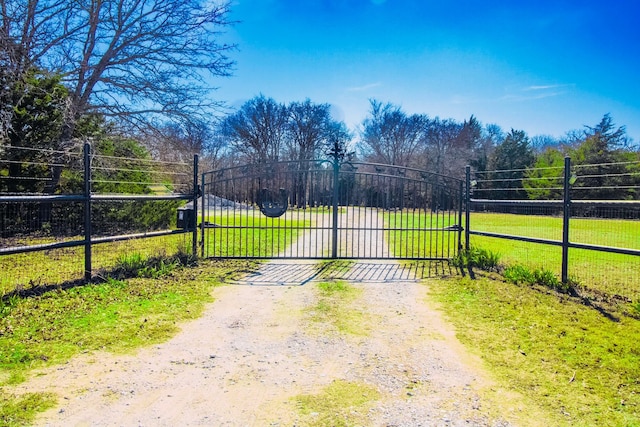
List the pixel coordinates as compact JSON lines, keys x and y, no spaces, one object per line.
{"x":581,"y":222}
{"x":550,"y":219}
{"x":105,"y":209}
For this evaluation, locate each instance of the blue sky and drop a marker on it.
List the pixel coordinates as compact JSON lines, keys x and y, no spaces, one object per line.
{"x":545,"y":67}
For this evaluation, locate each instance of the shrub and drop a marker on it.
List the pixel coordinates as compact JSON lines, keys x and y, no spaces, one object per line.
{"x":136,"y":265}
{"x":520,"y":274}
{"x":477,"y":257}
{"x":129,"y":265}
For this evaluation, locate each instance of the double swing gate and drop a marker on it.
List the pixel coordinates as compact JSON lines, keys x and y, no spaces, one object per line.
{"x":329,"y":209}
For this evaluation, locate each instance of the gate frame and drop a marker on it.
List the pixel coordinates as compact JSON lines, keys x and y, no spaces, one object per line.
{"x":337,"y":158}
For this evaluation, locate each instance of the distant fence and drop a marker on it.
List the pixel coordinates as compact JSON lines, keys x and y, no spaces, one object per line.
{"x":546,"y":218}
{"x":104,"y":208}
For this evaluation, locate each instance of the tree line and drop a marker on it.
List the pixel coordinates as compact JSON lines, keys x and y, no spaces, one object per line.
{"x":512,"y":165}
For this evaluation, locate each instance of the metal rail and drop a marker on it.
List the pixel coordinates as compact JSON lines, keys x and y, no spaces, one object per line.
{"x":88,"y":199}
{"x":566,"y":204}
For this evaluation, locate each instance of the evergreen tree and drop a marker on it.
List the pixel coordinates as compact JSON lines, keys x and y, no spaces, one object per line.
{"x":509,"y":161}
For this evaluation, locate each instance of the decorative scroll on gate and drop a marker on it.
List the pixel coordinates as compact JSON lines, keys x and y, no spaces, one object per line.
{"x":273,"y":204}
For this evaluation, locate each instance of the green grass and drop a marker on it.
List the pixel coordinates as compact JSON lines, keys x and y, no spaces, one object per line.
{"x":334,"y":310}
{"x":116,"y":316}
{"x":251,"y":234}
{"x":340,"y":404}
{"x":21,"y":410}
{"x":270,"y":236}
{"x":408,"y":241}
{"x":67,"y":264}
{"x":476,"y":257}
{"x":605,"y":232}
{"x":576,"y":364}
{"x":567,"y":358}
{"x":612,"y":274}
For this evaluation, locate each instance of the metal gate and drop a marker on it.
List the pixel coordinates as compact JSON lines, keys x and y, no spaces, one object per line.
{"x":330,"y":209}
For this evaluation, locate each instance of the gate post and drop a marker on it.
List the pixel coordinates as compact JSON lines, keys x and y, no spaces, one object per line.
{"x":196,"y":194}
{"x":334,"y":208}
{"x":460,"y":207}
{"x":467,"y":207}
{"x":202,"y":191}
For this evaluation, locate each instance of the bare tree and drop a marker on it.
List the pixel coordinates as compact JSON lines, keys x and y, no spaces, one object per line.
{"x":309,"y":128}
{"x":6,"y":110}
{"x":540,"y":143}
{"x":257,"y":129}
{"x":492,"y":136}
{"x":440,"y":145}
{"x":390,"y":136}
{"x":137,"y":60}
{"x":178,"y":142}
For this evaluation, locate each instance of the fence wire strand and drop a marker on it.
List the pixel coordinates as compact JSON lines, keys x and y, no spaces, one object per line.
{"x":38,"y":230}
{"x":606,"y":213}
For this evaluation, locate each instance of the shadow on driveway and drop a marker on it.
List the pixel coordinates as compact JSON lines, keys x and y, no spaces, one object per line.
{"x":298,"y":273}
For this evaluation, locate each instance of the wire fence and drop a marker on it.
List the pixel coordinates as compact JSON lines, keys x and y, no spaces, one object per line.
{"x":74,"y":215}
{"x":580,"y":222}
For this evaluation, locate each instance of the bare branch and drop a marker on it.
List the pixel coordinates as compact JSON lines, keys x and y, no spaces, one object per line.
{"x":144,"y":58}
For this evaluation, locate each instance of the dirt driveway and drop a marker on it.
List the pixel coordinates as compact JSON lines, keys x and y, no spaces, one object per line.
{"x":256,"y":347}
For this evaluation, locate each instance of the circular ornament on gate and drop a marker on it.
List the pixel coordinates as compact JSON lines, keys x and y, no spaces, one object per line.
{"x":273,"y":204}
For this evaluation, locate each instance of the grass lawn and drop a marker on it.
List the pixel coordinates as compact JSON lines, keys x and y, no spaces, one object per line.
{"x":613,"y":274}
{"x":605,"y":232}
{"x":252,"y":234}
{"x":412,"y":238}
{"x":62,"y":265}
{"x":270,"y":236}
{"x":576,"y":364}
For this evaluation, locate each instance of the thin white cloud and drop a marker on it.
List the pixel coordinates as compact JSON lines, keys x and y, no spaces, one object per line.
{"x":528,"y":93}
{"x":534,"y":92}
{"x":364,"y":88}
{"x":545,"y":87}
{"x":532,"y":97}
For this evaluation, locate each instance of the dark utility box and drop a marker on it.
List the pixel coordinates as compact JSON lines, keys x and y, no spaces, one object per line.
{"x":186,"y":219}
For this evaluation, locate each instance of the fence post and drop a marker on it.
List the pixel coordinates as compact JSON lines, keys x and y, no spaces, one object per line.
{"x":467,"y":204}
{"x":202,"y":191}
{"x":196,"y":194}
{"x":461,"y":201}
{"x":566,"y":215}
{"x":335,"y":203}
{"x":87,"y":211}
